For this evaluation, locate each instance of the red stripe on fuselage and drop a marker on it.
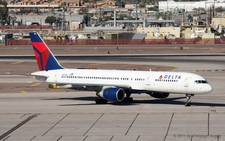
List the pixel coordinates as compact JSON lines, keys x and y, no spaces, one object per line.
{"x":43,"y":49}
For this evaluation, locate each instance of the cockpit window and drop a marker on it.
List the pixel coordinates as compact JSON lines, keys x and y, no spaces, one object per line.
{"x":201,"y":81}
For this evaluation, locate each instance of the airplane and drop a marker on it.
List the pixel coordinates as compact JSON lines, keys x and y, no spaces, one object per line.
{"x":116,"y":85}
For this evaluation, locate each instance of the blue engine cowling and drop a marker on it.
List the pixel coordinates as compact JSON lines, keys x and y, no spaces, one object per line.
{"x":112,"y":94}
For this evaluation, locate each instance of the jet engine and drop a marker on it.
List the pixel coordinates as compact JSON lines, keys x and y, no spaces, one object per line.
{"x":159,"y":94}
{"x":112,"y":94}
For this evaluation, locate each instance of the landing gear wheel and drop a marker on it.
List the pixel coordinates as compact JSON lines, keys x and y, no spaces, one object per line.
{"x":188,"y":102}
{"x":101,"y":101}
{"x":128,"y":99}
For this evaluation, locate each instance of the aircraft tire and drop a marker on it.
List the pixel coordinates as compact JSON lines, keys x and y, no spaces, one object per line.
{"x":128,"y":99}
{"x":188,"y":104}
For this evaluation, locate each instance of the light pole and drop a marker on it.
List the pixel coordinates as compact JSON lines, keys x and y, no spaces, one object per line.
{"x":214,"y":8}
{"x":167,"y":14}
{"x":184,"y":14}
{"x":62,"y":22}
{"x":136,"y":13}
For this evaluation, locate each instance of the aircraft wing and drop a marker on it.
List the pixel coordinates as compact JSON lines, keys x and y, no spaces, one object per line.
{"x":101,"y":85}
{"x":95,"y":86}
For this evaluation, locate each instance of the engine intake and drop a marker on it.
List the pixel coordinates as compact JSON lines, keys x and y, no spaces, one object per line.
{"x":112,"y":94}
{"x":159,"y":94}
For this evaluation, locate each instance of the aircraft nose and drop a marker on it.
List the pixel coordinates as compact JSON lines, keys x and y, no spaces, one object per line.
{"x":208,"y":88}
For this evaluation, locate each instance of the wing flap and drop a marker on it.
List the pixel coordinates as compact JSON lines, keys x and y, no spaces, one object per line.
{"x":101,"y":85}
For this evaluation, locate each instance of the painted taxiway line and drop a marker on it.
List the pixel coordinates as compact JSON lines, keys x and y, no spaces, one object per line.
{"x":35,"y":84}
{"x":18,"y":62}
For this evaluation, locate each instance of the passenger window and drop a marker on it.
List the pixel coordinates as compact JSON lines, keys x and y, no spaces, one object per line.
{"x":200,"y":81}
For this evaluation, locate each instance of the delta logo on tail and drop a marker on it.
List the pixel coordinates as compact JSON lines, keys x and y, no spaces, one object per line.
{"x":44,"y":57}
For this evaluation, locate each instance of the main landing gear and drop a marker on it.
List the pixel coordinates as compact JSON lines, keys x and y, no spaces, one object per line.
{"x":101,"y":101}
{"x":188,"y":102}
{"x":128,"y":98}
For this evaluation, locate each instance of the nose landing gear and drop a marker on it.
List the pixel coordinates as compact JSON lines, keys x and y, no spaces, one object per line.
{"x":188,"y":102}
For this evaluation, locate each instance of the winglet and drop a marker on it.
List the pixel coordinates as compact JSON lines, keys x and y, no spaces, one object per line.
{"x":45,"y":59}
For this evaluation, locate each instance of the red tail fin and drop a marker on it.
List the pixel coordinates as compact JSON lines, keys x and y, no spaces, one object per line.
{"x":45,"y":59}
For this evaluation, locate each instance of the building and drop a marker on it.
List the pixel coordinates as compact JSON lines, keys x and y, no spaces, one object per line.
{"x":171,"y":5}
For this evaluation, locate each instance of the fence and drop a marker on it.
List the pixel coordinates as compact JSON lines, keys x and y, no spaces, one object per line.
{"x":122,"y":42}
{"x":9,"y":27}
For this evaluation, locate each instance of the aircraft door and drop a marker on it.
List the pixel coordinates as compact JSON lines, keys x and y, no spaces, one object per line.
{"x":186,"y":82}
{"x":148,"y":81}
{"x":56,"y":79}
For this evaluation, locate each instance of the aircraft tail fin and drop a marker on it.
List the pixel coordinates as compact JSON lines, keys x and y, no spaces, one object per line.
{"x":45,"y":59}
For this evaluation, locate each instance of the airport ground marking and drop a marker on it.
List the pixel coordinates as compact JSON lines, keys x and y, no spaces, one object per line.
{"x":131,"y":65}
{"x":18,"y":62}
{"x":93,"y":124}
{"x":167,"y":132}
{"x":95,"y":64}
{"x":54,"y":113}
{"x":27,"y":73}
{"x":35,"y":84}
{"x":131,"y":124}
{"x":55,"y":124}
{"x":17,"y":126}
{"x":23,"y":92}
{"x":213,"y":111}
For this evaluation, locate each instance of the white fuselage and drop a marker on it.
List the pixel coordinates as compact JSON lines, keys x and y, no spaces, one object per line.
{"x":149,"y":81}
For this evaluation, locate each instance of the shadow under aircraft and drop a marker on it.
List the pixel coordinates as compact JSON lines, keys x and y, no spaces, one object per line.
{"x":167,"y":101}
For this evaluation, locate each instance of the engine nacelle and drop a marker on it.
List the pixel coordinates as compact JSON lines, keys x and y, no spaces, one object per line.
{"x":159,"y":94}
{"x":112,"y":94}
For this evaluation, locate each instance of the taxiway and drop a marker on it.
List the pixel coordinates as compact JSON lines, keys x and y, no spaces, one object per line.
{"x":29,"y":110}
